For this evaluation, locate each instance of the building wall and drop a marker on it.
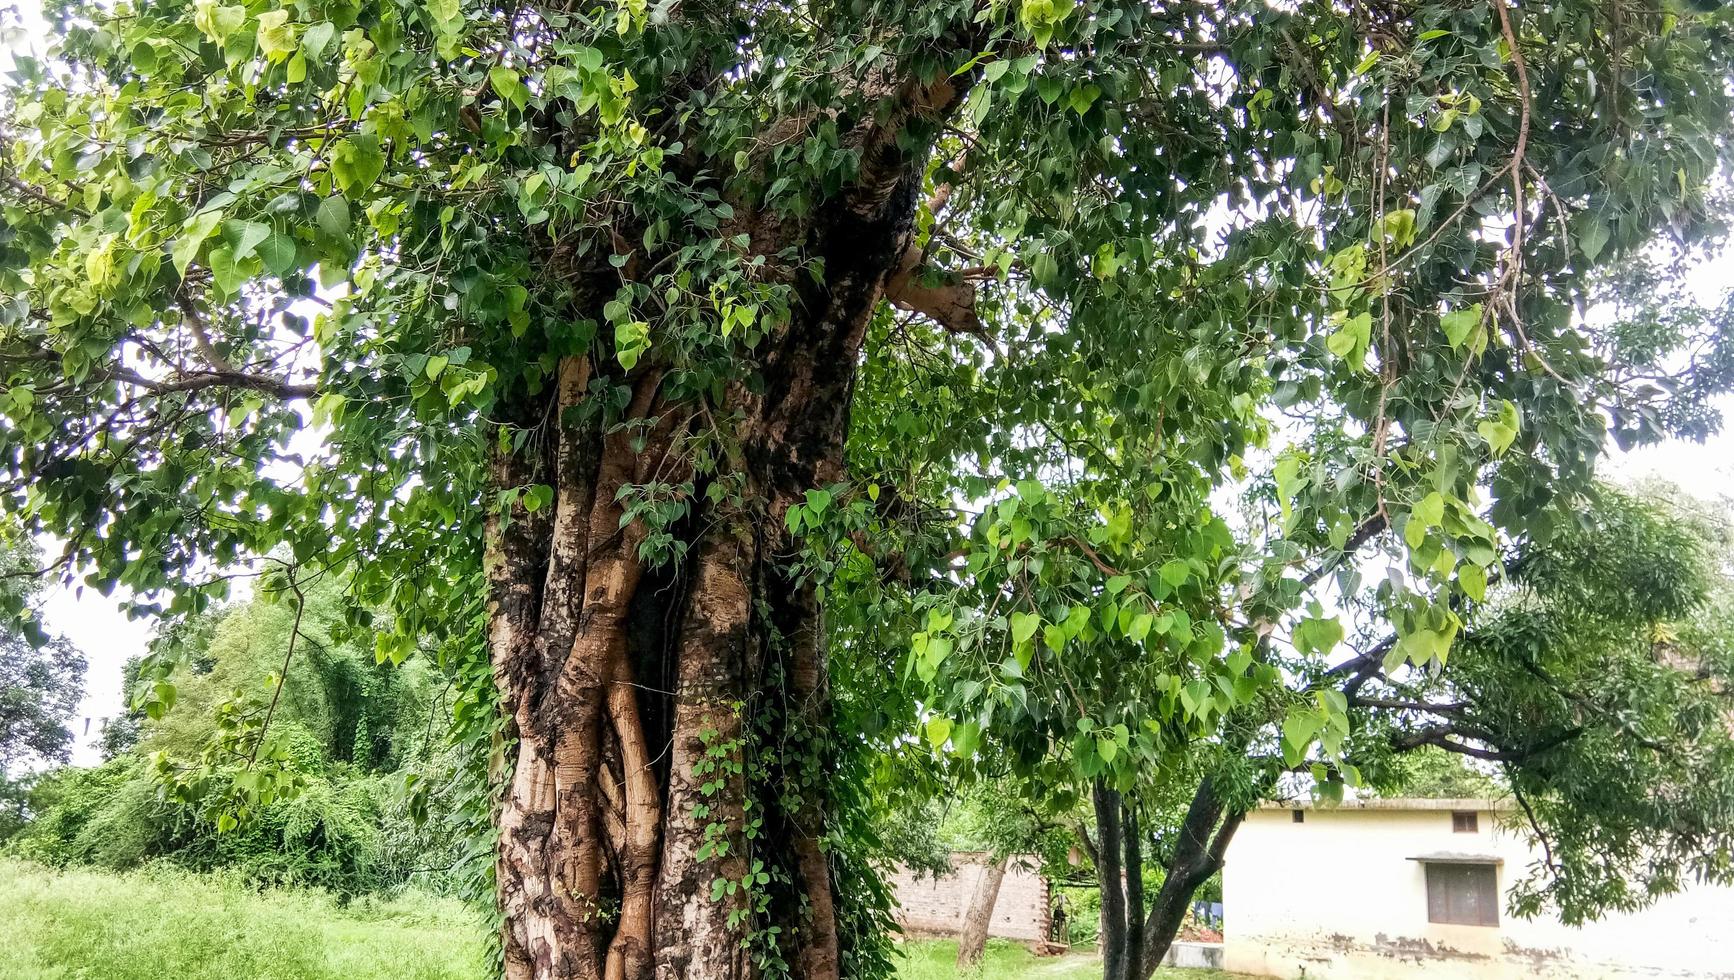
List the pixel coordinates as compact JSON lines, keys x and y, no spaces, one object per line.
{"x":938,"y":905}
{"x":1337,"y":897}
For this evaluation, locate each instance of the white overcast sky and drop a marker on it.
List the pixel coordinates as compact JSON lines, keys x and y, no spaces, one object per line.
{"x":107,"y":637}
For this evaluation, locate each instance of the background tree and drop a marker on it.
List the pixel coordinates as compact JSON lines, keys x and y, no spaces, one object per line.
{"x":41,"y":683}
{"x":594,"y":317}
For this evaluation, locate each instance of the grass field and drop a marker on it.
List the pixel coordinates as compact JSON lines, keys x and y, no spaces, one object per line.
{"x":165,"y":924}
{"x":169,"y":925}
{"x":937,"y":959}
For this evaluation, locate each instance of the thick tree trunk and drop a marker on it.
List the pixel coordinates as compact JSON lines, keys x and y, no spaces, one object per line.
{"x":665,"y":811}
{"x":1129,"y":831}
{"x":972,"y":940}
{"x":1199,"y":851}
{"x":1111,"y":879}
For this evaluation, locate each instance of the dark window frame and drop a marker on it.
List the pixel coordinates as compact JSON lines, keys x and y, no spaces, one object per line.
{"x":1462,"y":893}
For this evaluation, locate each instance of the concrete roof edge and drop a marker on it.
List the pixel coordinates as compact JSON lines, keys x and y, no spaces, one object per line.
{"x":1396,"y":803}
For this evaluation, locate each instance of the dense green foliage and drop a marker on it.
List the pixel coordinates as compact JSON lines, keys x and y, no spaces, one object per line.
{"x":164,"y":923}
{"x":41,"y":681}
{"x":1240,"y":299}
{"x":1598,"y":678}
{"x":352,"y":731}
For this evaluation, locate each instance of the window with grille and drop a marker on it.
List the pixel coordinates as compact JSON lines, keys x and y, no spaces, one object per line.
{"x":1463,"y":822}
{"x":1463,"y":894}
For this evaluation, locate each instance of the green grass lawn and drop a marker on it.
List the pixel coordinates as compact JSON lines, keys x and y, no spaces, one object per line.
{"x":170,"y":925}
{"x":936,"y":959}
{"x":164,"y":924}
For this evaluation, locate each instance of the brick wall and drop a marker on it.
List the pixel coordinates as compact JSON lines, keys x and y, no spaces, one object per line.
{"x":937,"y":905}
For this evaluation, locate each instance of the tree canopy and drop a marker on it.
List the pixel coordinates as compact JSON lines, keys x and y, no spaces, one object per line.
{"x":698,"y":380}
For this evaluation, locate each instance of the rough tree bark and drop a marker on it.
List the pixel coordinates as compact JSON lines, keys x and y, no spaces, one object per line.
{"x":972,"y":940}
{"x":636,"y":689}
{"x":1129,"y":832}
{"x":1199,"y":851}
{"x":1111,"y":878}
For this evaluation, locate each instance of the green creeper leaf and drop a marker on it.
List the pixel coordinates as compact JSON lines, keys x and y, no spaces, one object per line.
{"x":187,"y":245}
{"x":1023,"y":625}
{"x":356,"y":162}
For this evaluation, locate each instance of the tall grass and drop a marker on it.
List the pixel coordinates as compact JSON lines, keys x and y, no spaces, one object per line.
{"x":167,"y":924}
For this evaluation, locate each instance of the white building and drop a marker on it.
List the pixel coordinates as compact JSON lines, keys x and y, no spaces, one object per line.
{"x":1395,"y":888}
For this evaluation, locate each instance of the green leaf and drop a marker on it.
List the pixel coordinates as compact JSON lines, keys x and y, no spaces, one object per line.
{"x":218,"y":22}
{"x":228,"y":273}
{"x":1141,"y":627}
{"x":278,"y":252}
{"x":1298,"y":731}
{"x":1592,"y":235}
{"x":938,"y":732}
{"x":1318,"y":634}
{"x":1175,"y":573}
{"x":245,"y":236}
{"x":1350,"y":340}
{"x":506,"y":83}
{"x":357,"y":162}
{"x":1107,"y":748}
{"x":1501,"y":430}
{"x":144,"y":57}
{"x":317,"y":36}
{"x":818,"y":501}
{"x":1473,"y":581}
{"x":1430,"y":510}
{"x":333,"y":216}
{"x":187,"y":244}
{"x":1458,"y":323}
{"x":276,"y":35}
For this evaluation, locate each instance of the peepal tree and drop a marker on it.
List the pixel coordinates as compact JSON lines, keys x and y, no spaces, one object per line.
{"x":603,"y":345}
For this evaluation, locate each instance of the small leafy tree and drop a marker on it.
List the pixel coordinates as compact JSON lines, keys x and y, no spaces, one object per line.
{"x":41,"y":683}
